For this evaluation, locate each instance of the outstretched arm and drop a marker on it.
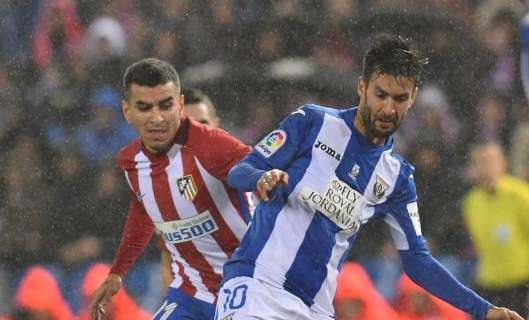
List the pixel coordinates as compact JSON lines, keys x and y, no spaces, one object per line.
{"x":422,"y":268}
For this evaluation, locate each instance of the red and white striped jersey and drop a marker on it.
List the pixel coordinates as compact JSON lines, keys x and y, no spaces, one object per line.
{"x":183,"y":194}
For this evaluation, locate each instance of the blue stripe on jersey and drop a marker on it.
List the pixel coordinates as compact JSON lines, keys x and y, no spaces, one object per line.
{"x":315,"y":251}
{"x":243,"y":204}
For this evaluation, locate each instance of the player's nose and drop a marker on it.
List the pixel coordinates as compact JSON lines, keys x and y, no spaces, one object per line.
{"x":156,"y":115}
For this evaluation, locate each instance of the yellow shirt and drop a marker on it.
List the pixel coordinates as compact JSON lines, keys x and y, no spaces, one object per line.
{"x":499,"y":226}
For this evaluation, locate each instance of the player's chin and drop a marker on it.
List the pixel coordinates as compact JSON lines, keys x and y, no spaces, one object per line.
{"x":159,"y":146}
{"x":384,"y":132}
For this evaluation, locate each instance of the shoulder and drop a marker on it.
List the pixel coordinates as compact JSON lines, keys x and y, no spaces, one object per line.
{"x":201,"y":136}
{"x":515,"y":186}
{"x":127,"y":154}
{"x":315,"y":110}
{"x":207,"y":141}
{"x":406,"y":168}
{"x":310,"y":114}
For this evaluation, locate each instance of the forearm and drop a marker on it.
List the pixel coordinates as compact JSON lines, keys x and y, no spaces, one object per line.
{"x":136,"y":235}
{"x":244,"y":176}
{"x":424,"y":270}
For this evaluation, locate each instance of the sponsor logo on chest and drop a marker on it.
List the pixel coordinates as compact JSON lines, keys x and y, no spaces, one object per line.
{"x":339,"y":202}
{"x":189,"y":229}
{"x":328,"y":150}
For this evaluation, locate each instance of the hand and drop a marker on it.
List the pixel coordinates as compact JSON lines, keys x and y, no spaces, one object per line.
{"x":269,"y":180}
{"x":496,"y":313}
{"x":103,"y":294}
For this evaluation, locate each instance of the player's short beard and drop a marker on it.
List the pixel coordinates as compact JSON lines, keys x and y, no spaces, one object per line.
{"x":369,"y":123}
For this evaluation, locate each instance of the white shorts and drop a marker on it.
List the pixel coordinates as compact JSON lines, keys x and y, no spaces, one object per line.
{"x":244,"y":298}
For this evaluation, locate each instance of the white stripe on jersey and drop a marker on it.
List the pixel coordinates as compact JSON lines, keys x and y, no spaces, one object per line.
{"x":388,"y":169}
{"x":146,"y":191}
{"x":397,"y":233}
{"x":292,"y":214}
{"x":328,"y":287}
{"x":223,"y":203}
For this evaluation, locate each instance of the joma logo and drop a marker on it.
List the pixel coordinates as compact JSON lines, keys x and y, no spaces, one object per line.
{"x":328,"y":150}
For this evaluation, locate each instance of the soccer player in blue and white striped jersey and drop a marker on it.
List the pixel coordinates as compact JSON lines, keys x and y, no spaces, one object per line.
{"x":322,"y":175}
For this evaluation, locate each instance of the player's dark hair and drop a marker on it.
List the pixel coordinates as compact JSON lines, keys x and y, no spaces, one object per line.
{"x":149,"y":72}
{"x":192,"y":96}
{"x":395,"y":56}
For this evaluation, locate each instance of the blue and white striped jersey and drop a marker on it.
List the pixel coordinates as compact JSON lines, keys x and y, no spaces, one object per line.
{"x":338,"y":181}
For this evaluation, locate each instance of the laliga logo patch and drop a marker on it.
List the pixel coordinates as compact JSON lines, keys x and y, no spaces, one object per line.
{"x":271,"y":143}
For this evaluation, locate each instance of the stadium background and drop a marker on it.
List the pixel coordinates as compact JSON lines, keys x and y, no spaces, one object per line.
{"x":62,"y":201}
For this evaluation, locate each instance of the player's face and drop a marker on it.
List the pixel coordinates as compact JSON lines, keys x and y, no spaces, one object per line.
{"x":155,"y":113}
{"x":200,"y":112}
{"x":384,"y":101}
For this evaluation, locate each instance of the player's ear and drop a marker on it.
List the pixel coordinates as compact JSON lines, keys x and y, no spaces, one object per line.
{"x":125,"y":108}
{"x":362,"y":87}
{"x":181,"y":102}
{"x":414,"y":94}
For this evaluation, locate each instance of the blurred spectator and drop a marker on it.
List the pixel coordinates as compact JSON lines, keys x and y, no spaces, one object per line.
{"x":25,"y":205}
{"x":105,"y":38}
{"x":107,"y":131}
{"x":58,"y":33}
{"x":39,"y":294}
{"x":356,"y":297}
{"x":431,"y":120}
{"x":519,"y":152}
{"x":491,"y":119}
{"x":120,"y":307}
{"x":10,"y":95}
{"x":502,"y":39}
{"x":414,"y":303}
{"x":496,"y":213}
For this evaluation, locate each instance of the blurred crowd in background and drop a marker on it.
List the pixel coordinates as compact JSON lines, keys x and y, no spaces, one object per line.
{"x":63,"y":201}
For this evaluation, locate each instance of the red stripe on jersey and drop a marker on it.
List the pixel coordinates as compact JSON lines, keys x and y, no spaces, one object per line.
{"x":225,"y":237}
{"x":187,"y":250}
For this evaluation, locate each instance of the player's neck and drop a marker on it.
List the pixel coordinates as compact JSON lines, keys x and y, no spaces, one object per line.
{"x":361,"y":127}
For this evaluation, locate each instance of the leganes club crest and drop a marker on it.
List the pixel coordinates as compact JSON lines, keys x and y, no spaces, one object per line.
{"x":379,"y":188}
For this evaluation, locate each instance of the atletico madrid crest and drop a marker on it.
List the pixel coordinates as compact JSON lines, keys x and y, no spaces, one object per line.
{"x":187,"y":187}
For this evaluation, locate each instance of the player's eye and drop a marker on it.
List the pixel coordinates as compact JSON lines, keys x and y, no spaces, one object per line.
{"x":166,"y":104}
{"x":143,"y":107}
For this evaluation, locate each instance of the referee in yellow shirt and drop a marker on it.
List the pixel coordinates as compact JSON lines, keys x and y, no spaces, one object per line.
{"x":496,"y":212}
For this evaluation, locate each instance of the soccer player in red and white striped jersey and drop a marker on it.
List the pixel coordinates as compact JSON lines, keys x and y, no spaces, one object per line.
{"x":177,"y":172}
